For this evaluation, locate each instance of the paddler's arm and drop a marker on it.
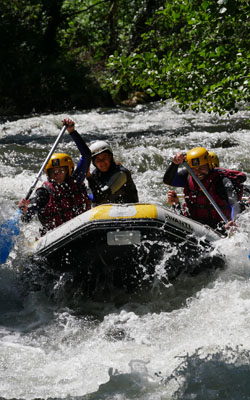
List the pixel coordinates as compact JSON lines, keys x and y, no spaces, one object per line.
{"x":84,"y":162}
{"x":172,"y":176}
{"x":31,"y":207}
{"x":232,"y":198}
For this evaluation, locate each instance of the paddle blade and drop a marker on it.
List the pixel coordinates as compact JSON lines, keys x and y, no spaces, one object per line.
{"x":9,"y":230}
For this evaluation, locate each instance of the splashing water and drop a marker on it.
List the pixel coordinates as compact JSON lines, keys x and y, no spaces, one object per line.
{"x":186,"y":340}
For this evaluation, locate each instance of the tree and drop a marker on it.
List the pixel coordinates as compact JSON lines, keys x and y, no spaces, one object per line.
{"x":38,"y":73}
{"x":196,"y":52}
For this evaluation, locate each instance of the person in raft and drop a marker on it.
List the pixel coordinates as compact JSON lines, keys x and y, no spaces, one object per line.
{"x":224,"y":186}
{"x":245,"y":201}
{"x":64,"y":195}
{"x":110,"y":182}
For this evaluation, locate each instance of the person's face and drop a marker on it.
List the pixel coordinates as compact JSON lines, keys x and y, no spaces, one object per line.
{"x":202,"y":171}
{"x":103,"y":161}
{"x":58,"y":174}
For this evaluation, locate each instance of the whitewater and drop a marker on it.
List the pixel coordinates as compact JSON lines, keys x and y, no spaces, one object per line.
{"x":187,"y":340}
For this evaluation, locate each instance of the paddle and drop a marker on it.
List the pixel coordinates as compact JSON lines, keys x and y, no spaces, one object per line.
{"x":223,"y":217}
{"x":181,"y":196}
{"x":9,"y":230}
{"x":207,"y":194}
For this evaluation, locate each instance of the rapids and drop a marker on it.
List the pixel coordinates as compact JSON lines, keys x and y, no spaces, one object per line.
{"x":189,"y":340}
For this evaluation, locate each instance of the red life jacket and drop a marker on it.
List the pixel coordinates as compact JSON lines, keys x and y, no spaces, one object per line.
{"x":66,"y":202}
{"x":236,"y":177}
{"x":199,"y":207}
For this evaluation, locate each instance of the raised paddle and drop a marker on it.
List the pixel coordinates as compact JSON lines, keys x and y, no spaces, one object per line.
{"x":197,"y":180}
{"x":9,"y":230}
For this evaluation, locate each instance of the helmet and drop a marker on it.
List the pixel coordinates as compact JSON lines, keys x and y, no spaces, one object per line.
{"x":99,"y":147}
{"x":60,"y":160}
{"x":214,"y":159}
{"x":197,"y":157}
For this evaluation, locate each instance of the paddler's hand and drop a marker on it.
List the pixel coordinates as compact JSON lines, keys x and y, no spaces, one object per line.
{"x":88,"y":174}
{"x":179,"y":158}
{"x":172,"y":197}
{"x":70,"y":124}
{"x":231,"y":226}
{"x":23,"y":205}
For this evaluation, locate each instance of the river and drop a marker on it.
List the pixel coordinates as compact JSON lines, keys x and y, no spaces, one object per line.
{"x":189,"y":341}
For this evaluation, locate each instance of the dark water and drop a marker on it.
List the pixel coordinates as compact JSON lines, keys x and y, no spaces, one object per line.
{"x":189,"y":340}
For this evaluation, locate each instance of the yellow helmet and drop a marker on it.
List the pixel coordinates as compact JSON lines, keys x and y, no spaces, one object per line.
{"x":214,"y":159}
{"x":197,"y":157}
{"x":60,"y":160}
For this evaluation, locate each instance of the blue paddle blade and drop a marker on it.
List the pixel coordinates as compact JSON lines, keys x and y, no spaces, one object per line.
{"x":9,"y":230}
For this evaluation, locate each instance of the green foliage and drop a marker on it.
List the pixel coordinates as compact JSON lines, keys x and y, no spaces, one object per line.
{"x":196,"y":52}
{"x":78,"y":53}
{"x":41,"y":71}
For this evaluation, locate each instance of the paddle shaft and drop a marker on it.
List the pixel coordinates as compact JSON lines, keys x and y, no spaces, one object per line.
{"x":182,"y":196}
{"x":10,"y":229}
{"x":45,"y":162}
{"x":197,"y":180}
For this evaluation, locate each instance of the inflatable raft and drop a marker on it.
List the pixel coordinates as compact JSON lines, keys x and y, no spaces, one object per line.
{"x":127,"y":244}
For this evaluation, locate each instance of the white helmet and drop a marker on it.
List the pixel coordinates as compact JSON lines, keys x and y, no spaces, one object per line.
{"x":99,"y":147}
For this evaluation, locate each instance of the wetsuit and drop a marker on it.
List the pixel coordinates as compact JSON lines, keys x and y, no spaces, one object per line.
{"x":114,"y":186}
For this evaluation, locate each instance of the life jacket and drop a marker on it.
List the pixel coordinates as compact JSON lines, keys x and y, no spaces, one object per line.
{"x":126,"y":194}
{"x":66,"y":201}
{"x":237,"y":178}
{"x":200,"y":208}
